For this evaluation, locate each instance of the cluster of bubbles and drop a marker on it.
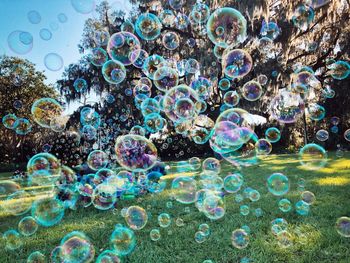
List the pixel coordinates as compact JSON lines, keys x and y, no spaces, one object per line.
{"x":168,"y":93}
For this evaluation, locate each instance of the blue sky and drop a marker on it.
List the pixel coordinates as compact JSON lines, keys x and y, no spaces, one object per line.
{"x":64,"y":41}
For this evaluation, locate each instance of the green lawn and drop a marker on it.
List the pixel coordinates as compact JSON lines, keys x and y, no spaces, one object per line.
{"x":319,"y":241}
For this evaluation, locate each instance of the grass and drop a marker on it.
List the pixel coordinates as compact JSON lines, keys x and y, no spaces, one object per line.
{"x":314,"y":236}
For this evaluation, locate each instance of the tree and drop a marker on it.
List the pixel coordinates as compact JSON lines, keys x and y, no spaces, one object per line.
{"x":20,"y":86}
{"x":298,"y":44}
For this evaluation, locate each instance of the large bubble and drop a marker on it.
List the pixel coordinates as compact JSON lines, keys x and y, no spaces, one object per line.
{"x":237,"y":63}
{"x":135,"y":152}
{"x":313,"y":156}
{"x":278,"y":184}
{"x":148,"y":26}
{"x":227,"y":27}
{"x":53,"y":62}
{"x":136,"y":217}
{"x":48,"y":211}
{"x":20,"y":42}
{"x":113,"y":72}
{"x":184,"y":189}
{"x":76,"y":247}
{"x":123,"y":240}
{"x":83,"y":6}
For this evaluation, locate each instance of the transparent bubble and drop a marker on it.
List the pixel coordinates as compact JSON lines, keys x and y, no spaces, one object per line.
{"x":34,"y":17}
{"x":200,"y":12}
{"x":252,"y":91}
{"x":308,"y":197}
{"x":83,"y":6}
{"x":136,"y":217}
{"x":316,"y":112}
{"x":284,"y":239}
{"x":76,"y":247}
{"x":270,"y":30}
{"x":53,"y":62}
{"x":273,"y":134}
{"x":181,"y":21}
{"x":155,"y":234}
{"x":227,"y":27}
{"x":278,"y":184}
{"x":44,"y":110}
{"x":36,"y":257}
{"x":192,"y":66}
{"x":166,"y":78}
{"x":202,"y":86}
{"x":171,"y":40}
{"x":237,"y":63}
{"x":347,"y":135}
{"x":224,"y":84}
{"x":108,"y":256}
{"x":343,"y":226}
{"x":127,"y":26}
{"x":239,"y":239}
{"x":148,"y":26}
{"x":113,"y":72}
{"x":184,"y":189}
{"x":164,"y":220}
{"x":47,"y":211}
{"x":17,"y":203}
{"x":302,"y":208}
{"x":340,"y":70}
{"x":285,"y":205}
{"x":263,"y":147}
{"x":244,"y":210}
{"x":124,"y":47}
{"x":151,"y":65}
{"x":135,"y":152}
{"x":303,"y":17}
{"x":104,"y":196}
{"x":23,"y":126}
{"x":154,"y":122}
{"x":12,"y":239}
{"x":20,"y":42}
{"x":176,"y":4}
{"x":9,"y":121}
{"x":213,"y":206}
{"x":123,"y":240}
{"x":312,"y":156}
{"x":98,"y":57}
{"x":278,"y":225}
{"x":62,"y":18}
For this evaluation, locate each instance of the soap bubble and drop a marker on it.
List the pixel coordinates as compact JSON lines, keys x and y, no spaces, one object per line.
{"x":113,"y":72}
{"x":12,"y":239}
{"x":340,"y":70}
{"x":34,"y":17}
{"x":108,"y":256}
{"x":123,"y":240}
{"x":148,"y":26}
{"x":135,"y":152}
{"x":136,"y":217}
{"x":171,"y":40}
{"x":308,"y":197}
{"x":285,"y":205}
{"x":47,"y":211}
{"x":237,"y":63}
{"x":155,"y":234}
{"x":44,"y":110}
{"x":227,"y":27}
{"x":303,"y":17}
{"x":164,"y":220}
{"x":233,"y":182}
{"x":97,"y":159}
{"x":184,"y":189}
{"x":239,"y":239}
{"x":9,"y":121}
{"x":36,"y":257}
{"x":76,"y":247}
{"x":104,"y":196}
{"x":273,"y":134}
{"x":278,"y":184}
{"x":287,"y":107}
{"x":45,"y":34}
{"x":213,"y":206}
{"x":53,"y":62}
{"x":343,"y":226}
{"x":316,"y":112}
{"x":200,"y":12}
{"x":166,"y":78}
{"x":322,"y":135}
{"x":83,"y":6}
{"x":17,"y":203}
{"x":27,"y":226}
{"x":252,"y":91}
{"x":302,"y":208}
{"x":312,"y":156}
{"x":270,"y":30}
{"x":347,"y":135}
{"x":20,"y":42}
{"x":263,"y":147}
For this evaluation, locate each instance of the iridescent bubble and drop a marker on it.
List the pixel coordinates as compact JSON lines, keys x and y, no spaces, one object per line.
{"x":285,"y":205}
{"x":108,"y":256}
{"x":212,"y":165}
{"x":171,"y":40}
{"x":176,"y":4}
{"x":155,"y":234}
{"x":27,"y":226}
{"x":113,"y":72}
{"x":237,"y":63}
{"x":23,"y":126}
{"x":322,"y":135}
{"x":164,"y":220}
{"x":101,"y":37}
{"x":312,"y":156}
{"x":53,"y":62}
{"x":9,"y":121}
{"x":278,"y":184}
{"x":308,"y":197}
{"x":36,"y":257}
{"x":17,"y":203}
{"x":303,"y":17}
{"x":181,"y":21}
{"x":231,"y":98}
{"x":340,"y":70}
{"x":83,"y":6}
{"x":166,"y":78}
{"x":278,"y":225}
{"x":45,"y":34}
{"x":227,"y":27}
{"x":76,"y":247}
{"x":62,"y":18}
{"x":167,"y":17}
{"x":123,"y":240}
{"x":239,"y":239}
{"x":149,"y":106}
{"x":200,"y":237}
{"x":138,"y":57}
{"x":202,"y":86}
{"x":270,"y":30}
{"x":151,"y":65}
{"x":252,"y":91}
{"x":347,"y":135}
{"x":200,"y":12}
{"x":80,"y":85}
{"x":184,"y":189}
{"x":224,"y":84}
{"x":233,"y":182}
{"x":263,"y":147}
{"x":12,"y":239}
{"x":213,"y":206}
{"x":47,"y":211}
{"x":104,"y":196}
{"x":138,"y":130}
{"x":136,"y":217}
{"x":154,"y":122}
{"x":244,"y":210}
{"x":135,"y":152}
{"x":148,"y":26}
{"x":127,"y":26}
{"x":302,"y":208}
{"x":287,"y":107}
{"x":20,"y":42}
{"x":343,"y":226}
{"x":98,"y":57}
{"x":316,"y":112}
{"x":34,"y":17}
{"x":273,"y":134}
{"x":124,"y":47}
{"x":284,"y":239}
{"x":195,"y":163}
{"x":97,"y":159}
{"x":44,"y":110}
{"x":192,"y":66}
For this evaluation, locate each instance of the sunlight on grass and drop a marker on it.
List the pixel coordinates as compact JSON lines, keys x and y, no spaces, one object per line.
{"x":339,"y":180}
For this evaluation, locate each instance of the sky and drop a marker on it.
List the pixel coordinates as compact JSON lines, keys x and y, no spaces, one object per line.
{"x":65,"y":36}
